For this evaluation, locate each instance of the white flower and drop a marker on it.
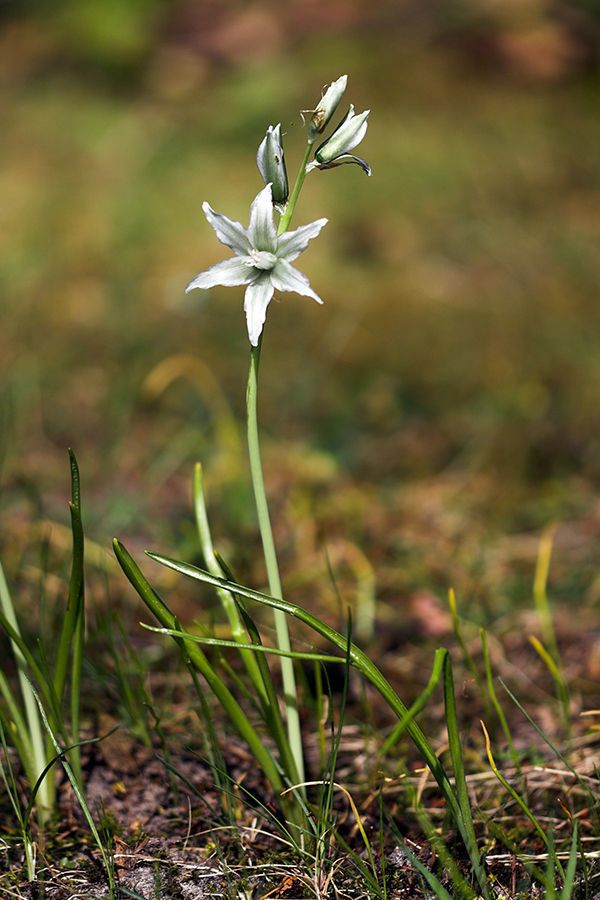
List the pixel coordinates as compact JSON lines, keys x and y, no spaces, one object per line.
{"x":262,"y":259}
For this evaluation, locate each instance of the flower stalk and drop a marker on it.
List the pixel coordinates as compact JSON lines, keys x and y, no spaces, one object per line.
{"x":264,"y":519}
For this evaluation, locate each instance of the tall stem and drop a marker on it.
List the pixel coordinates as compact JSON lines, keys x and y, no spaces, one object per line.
{"x":266,"y":533}
{"x":291,"y":205}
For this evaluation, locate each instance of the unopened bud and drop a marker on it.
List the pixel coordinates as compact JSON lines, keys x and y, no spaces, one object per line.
{"x":271,"y":164}
{"x":326,"y":107}
{"x":346,"y":136}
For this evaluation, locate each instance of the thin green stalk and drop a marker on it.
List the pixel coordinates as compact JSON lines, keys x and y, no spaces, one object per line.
{"x":562,"y":690}
{"x":456,"y":754}
{"x":72,"y":636}
{"x":291,"y":204}
{"x":540,"y":591}
{"x":489,"y":678}
{"x":266,"y":532}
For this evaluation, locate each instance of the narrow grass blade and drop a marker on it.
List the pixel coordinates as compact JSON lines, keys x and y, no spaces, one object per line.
{"x":253,"y":648}
{"x":75,"y":597}
{"x":420,"y":702}
{"x":519,"y":800}
{"x":540,"y":590}
{"x":489,"y":678}
{"x":462,"y":791}
{"x":562,"y":690}
{"x":457,"y":628}
{"x":567,"y":890}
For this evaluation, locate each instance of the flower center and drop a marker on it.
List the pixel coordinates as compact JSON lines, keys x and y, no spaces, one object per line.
{"x":262,"y":259}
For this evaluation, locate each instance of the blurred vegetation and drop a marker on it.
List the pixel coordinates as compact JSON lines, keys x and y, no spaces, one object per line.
{"x":445,"y":394}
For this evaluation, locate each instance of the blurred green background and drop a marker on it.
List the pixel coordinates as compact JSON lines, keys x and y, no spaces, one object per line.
{"x":439,"y":409}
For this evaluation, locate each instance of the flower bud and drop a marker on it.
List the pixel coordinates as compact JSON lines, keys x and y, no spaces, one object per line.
{"x":271,"y":164}
{"x":326,"y":107}
{"x":347,"y":135}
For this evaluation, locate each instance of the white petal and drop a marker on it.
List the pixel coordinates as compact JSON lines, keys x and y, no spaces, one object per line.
{"x":229,"y":273}
{"x":292,"y":243}
{"x":230,"y":233}
{"x":261,"y":230}
{"x":285,"y":277}
{"x":256,"y":300}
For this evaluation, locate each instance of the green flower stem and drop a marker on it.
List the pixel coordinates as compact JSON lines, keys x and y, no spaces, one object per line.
{"x":291,"y":205}
{"x":264,"y":519}
{"x":266,"y":533}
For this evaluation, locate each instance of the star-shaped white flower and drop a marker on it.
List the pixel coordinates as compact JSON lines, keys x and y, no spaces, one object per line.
{"x":262,"y":259}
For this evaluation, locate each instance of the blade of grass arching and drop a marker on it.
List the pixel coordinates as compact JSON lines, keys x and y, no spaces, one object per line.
{"x":519,"y":801}
{"x":227,"y":600}
{"x":198,"y":659}
{"x":456,"y":755}
{"x":489,"y":678}
{"x":362,"y":662}
{"x":420,"y":702}
{"x":467,"y":657}
{"x":562,"y":690}
{"x":75,"y":784}
{"x":567,"y":891}
{"x":252,"y":648}
{"x":34,"y":728}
